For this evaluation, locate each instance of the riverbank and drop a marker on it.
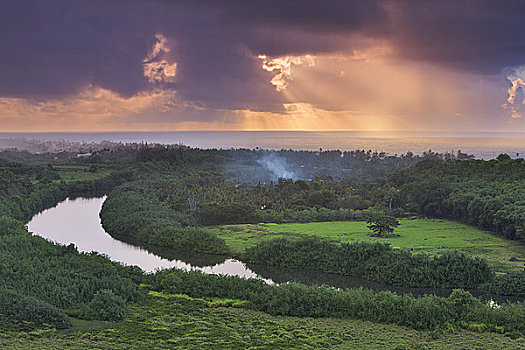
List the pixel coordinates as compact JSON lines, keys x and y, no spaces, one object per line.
{"x":76,"y":221}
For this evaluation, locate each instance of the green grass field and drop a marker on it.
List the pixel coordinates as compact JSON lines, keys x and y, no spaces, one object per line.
{"x":69,"y":173}
{"x":187,"y":323}
{"x":430,"y":236}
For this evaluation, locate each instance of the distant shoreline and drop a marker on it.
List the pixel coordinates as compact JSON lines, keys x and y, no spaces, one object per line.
{"x":484,"y":145}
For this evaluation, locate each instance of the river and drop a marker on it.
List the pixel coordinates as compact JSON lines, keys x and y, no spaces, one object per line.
{"x":77,"y":221}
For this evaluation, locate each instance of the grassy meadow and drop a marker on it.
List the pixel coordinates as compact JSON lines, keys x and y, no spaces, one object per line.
{"x":429,"y":236}
{"x":79,"y":173}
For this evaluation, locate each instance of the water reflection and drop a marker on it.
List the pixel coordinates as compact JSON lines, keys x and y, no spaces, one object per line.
{"x":193,"y":259}
{"x":77,"y":221}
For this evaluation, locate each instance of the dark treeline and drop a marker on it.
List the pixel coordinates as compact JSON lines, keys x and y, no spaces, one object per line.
{"x":265,"y":166}
{"x":487,"y":194}
{"x":254,"y":166}
{"x":374,"y":261}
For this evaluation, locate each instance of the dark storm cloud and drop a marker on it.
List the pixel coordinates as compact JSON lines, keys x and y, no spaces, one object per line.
{"x":481,"y":36}
{"x":55,"y":48}
{"x":58,"y":47}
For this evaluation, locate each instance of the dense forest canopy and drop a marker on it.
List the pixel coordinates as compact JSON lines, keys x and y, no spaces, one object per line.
{"x":487,"y":194}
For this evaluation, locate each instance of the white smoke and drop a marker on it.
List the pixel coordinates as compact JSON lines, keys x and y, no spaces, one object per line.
{"x":278,"y":166}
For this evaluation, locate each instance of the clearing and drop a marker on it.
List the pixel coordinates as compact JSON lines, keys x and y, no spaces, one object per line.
{"x":429,"y":236}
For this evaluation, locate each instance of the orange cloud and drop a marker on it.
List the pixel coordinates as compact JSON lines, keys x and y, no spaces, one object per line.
{"x":357,"y":90}
{"x":156,"y":67}
{"x":516,"y":98}
{"x":283,"y":67}
{"x":92,"y":109}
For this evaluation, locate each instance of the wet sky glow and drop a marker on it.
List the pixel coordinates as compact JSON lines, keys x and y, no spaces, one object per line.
{"x":99,"y":65}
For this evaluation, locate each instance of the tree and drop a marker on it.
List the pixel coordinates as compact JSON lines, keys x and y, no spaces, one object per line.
{"x":105,"y":306}
{"x":381,"y":223}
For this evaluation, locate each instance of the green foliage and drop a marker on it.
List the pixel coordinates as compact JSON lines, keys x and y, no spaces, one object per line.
{"x":291,"y":299}
{"x":481,"y":193}
{"x":158,"y":208}
{"x":429,"y":236}
{"x":129,"y":214}
{"x":381,"y":223}
{"x":233,"y":213}
{"x":373,"y":261}
{"x":57,"y":274}
{"x":21,"y":198}
{"x":15,"y":307}
{"x":187,"y":323}
{"x":47,"y":175}
{"x":10,"y":226}
{"x":512,"y":283}
{"x":105,"y":306}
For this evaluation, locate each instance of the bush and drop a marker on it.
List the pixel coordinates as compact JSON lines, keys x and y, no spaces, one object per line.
{"x":20,"y":308}
{"x":105,"y":306}
{"x":234,"y":213}
{"x":513,"y":283}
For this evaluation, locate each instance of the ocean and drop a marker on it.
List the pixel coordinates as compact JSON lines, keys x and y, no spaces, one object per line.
{"x":483,"y":145}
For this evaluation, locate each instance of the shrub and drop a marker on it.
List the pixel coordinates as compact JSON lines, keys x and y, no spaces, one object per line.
{"x":105,"y":306}
{"x":513,"y":283}
{"x":20,"y":308}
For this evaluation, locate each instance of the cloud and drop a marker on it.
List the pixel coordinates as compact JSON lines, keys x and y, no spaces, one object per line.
{"x":283,"y":68}
{"x":58,"y":47}
{"x":515,"y":104}
{"x":204,"y":54}
{"x":94,"y":108}
{"x":157,"y":69}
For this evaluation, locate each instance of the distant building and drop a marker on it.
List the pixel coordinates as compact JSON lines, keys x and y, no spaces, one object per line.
{"x":84,"y":155}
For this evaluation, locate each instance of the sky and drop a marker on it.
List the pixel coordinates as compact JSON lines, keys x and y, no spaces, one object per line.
{"x":145,"y":65}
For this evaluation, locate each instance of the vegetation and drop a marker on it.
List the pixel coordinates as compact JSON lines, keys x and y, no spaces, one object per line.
{"x":57,"y":275}
{"x":429,"y":236}
{"x":128,"y":214}
{"x":105,"y":306}
{"x":174,"y":196}
{"x":40,"y":280}
{"x":174,"y":207}
{"x":18,"y":308}
{"x":381,"y":223}
{"x":481,"y":193}
{"x":512,"y":283}
{"x":292,"y":299}
{"x":374,"y":261}
{"x":181,"y":322}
